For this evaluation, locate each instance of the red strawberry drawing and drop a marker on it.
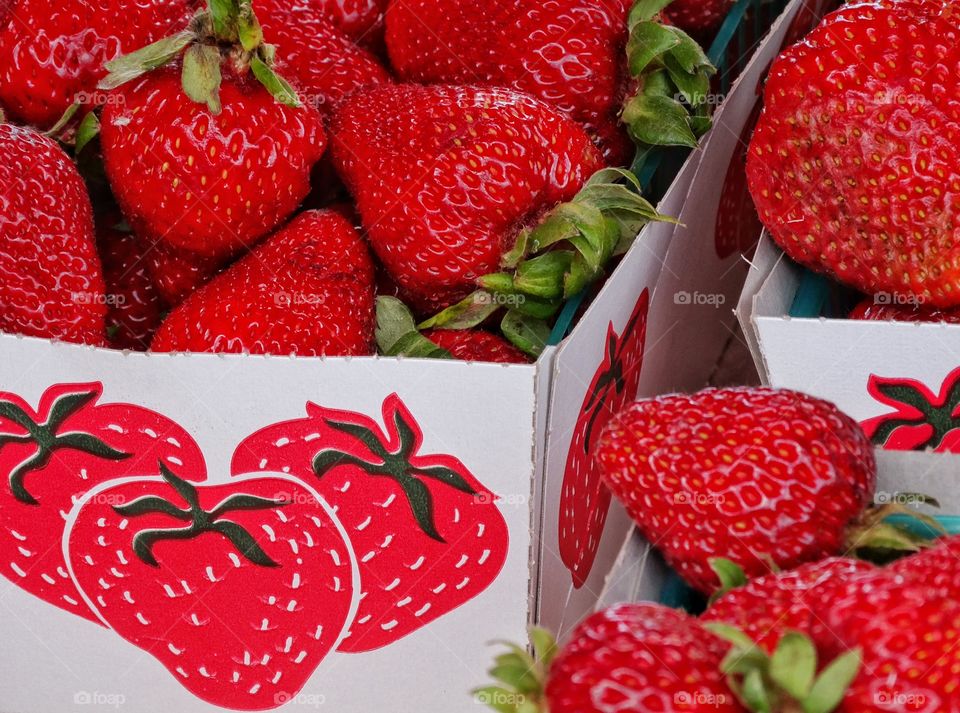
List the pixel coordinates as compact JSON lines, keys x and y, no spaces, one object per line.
{"x":427,"y":533}
{"x":239,"y":589}
{"x":52,"y":455}
{"x":584,"y":500}
{"x":921,"y":420}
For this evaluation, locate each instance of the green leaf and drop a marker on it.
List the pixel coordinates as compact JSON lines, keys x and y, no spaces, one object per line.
{"x":497,"y":698}
{"x":544,"y":645}
{"x":528,"y":334}
{"x":658,"y":121}
{"x":755,"y":694}
{"x":251,"y":34}
{"x":62,"y":122}
{"x":133,"y":65}
{"x":542,"y":276}
{"x":689,"y":55}
{"x":648,"y":42}
{"x":224,"y":14}
{"x":465,"y":314}
{"x":794,"y":664}
{"x":694,"y":88}
{"x":832,"y":684}
{"x":518,"y":252}
{"x":732,"y":634}
{"x":729,"y":573}
{"x":88,"y":130}
{"x":644,"y":10}
{"x":278,"y":87}
{"x":397,"y":333}
{"x":201,"y":76}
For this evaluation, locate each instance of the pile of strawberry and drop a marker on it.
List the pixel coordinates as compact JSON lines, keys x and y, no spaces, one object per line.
{"x":762,"y":500}
{"x":853,"y":165}
{"x":252,"y":181}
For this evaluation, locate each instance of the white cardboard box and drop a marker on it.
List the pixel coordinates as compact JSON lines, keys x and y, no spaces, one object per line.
{"x":506,"y":429}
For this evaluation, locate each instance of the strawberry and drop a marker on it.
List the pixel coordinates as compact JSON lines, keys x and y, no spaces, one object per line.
{"x":584,"y":499}
{"x":476,"y":345}
{"x":698,"y":17}
{"x":134,"y":306}
{"x":428,"y":535}
{"x":239,"y":589}
{"x":52,"y":56}
{"x":795,"y":600}
{"x":52,"y":281}
{"x":416,"y":171}
{"x":753,"y":474}
{"x":569,"y":53}
{"x":640,"y":657}
{"x":872,"y":310}
{"x":853,"y":170}
{"x":231,"y":148}
{"x":324,"y":64}
{"x":51,"y":455}
{"x":936,"y":568}
{"x":360,"y":20}
{"x":738,"y":227}
{"x":176,"y":273}
{"x":921,"y":419}
{"x":307,"y":290}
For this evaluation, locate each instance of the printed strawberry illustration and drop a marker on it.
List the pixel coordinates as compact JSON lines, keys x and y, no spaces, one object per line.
{"x":428,"y":535}
{"x":921,"y":420}
{"x":585,"y":500}
{"x":51,"y":456}
{"x":239,"y":589}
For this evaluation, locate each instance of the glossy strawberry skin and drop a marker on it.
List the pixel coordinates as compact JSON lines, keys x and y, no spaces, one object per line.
{"x":446,"y":178}
{"x":360,"y":20}
{"x":476,"y":345}
{"x":640,"y":657}
{"x":854,"y":171}
{"x":323,"y":63}
{"x":869,"y":310}
{"x":213,"y":185}
{"x":794,"y":600}
{"x":134,"y":305}
{"x":698,"y":17}
{"x":51,"y":280}
{"x":307,"y":290}
{"x":235,"y":633}
{"x":50,"y":53}
{"x":749,"y":474}
{"x":176,"y":273}
{"x":569,"y":53}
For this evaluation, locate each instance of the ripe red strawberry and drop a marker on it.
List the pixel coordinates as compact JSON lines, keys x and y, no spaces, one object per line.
{"x":756,"y":475}
{"x":312,"y":52}
{"x":584,"y":499}
{"x":211,"y":184}
{"x":51,"y":282}
{"x":476,"y":345}
{"x":446,"y":179}
{"x":51,"y":456}
{"x":239,"y":589}
{"x":53,"y":55}
{"x":795,"y":600}
{"x":134,"y":306}
{"x":360,"y":20}
{"x":640,"y":657}
{"x":569,"y":53}
{"x":872,"y":310}
{"x":428,"y":535}
{"x":937,"y":568}
{"x":921,"y":419}
{"x":698,"y":17}
{"x":853,"y":170}
{"x":176,"y":273}
{"x":307,"y":290}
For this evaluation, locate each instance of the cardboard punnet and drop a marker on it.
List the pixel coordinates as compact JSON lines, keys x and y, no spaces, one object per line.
{"x":865,"y":367}
{"x":497,"y":439}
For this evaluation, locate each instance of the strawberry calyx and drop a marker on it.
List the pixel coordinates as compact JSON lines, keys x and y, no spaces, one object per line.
{"x":394,"y":464}
{"x":520,"y":676}
{"x":876,"y":538}
{"x":397,"y":333}
{"x":786,"y":681}
{"x":48,"y":440}
{"x":226,"y":34}
{"x":556,"y":259}
{"x":200,"y":521}
{"x":671,"y":106}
